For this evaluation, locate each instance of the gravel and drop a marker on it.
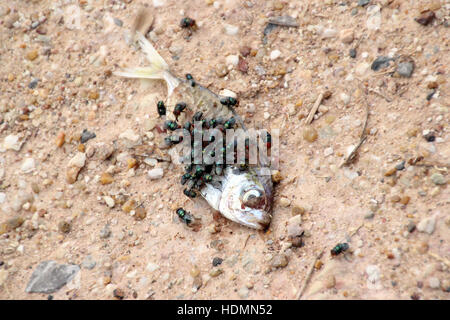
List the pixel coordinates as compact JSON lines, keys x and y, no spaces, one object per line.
{"x":49,"y":277}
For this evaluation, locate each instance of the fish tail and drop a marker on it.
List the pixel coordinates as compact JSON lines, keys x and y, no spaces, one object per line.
{"x":158,"y":68}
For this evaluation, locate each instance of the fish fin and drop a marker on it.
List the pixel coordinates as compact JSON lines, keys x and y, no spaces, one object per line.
{"x":158,"y":68}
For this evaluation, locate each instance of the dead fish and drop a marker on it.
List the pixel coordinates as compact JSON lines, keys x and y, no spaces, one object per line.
{"x":243,"y":196}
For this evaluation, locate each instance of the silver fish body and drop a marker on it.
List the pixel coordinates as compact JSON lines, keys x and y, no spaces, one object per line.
{"x":245,"y":196}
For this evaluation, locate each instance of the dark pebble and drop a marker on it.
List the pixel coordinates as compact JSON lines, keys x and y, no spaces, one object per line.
{"x":352,"y":53}
{"x":411,"y":226}
{"x":405,"y":69}
{"x":87,"y":135}
{"x":380,"y":63}
{"x":50,"y":297}
{"x":430,"y":95}
{"x":400,"y":166}
{"x":33,"y":83}
{"x":419,"y":284}
{"x":118,"y":293}
{"x":394,"y":283}
{"x":216,"y":261}
{"x":426,"y":18}
{"x":430,"y":137}
{"x":118,"y":22}
{"x":415,"y":296}
{"x":363,"y":3}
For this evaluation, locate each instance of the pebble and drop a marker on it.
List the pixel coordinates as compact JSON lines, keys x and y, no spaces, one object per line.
{"x":11,"y":224}
{"x":118,"y":22}
{"x":380,"y":63}
{"x":33,"y":84}
{"x":86,"y":136}
{"x":329,"y":33}
{"x":216,"y":272}
{"x":347,"y":36}
{"x":109,"y":201}
{"x":221,"y":70}
{"x":140,"y":213}
{"x":156,"y":173}
{"x":411,"y":226}
{"x":297,"y":210}
{"x":88,"y":263}
{"x":232,"y":60}
{"x":345,"y":98}
{"x":310,"y":134}
{"x":243,"y":292}
{"x":280,"y":260}
{"x":103,"y":151}
{"x":105,"y":233}
{"x":78,"y":161}
{"x":231,"y":30}
{"x":400,"y":166}
{"x":64,"y":227}
{"x":434,"y":283}
{"x":352,"y":53}
{"x":405,"y":69}
{"x":373,"y":21}
{"x":373,"y":273}
{"x":106,"y":178}
{"x":438,"y":179}
{"x":363,"y":3}
{"x":284,"y":202}
{"x":151,"y":267}
{"x":129,"y":135}
{"x":425,"y":18}
{"x":361,"y":69}
{"x":118,"y":293}
{"x":27,"y":165}
{"x":328,"y":151}
{"x":427,"y":225}
{"x":11,"y":142}
{"x":32,"y":55}
{"x":277,"y":176}
{"x":49,"y":277}
{"x":275,"y":54}
{"x":60,"y":139}
{"x":217,"y":261}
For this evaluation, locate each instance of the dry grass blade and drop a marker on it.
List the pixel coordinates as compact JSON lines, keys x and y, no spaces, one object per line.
{"x":309,"y":274}
{"x":314,"y":109}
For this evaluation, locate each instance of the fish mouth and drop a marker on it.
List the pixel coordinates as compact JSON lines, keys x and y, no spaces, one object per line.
{"x":259,"y":221}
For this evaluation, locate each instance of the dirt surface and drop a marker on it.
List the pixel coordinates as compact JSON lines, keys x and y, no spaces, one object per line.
{"x":396,"y":221}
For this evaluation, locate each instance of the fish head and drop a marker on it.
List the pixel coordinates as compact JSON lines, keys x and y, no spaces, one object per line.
{"x":247,"y":198}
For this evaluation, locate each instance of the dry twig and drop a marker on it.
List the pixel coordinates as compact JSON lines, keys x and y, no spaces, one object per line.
{"x":314,"y":109}
{"x":309,"y":274}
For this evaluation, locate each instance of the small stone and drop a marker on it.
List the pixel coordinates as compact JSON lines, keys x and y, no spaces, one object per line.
{"x":129,"y":205}
{"x":216,"y":272}
{"x":405,"y":200}
{"x":425,"y":18}
{"x":118,"y":294}
{"x":400,"y":166}
{"x":105,"y":233}
{"x":129,"y":135}
{"x":109,"y":201}
{"x":232,"y":60}
{"x":32,"y":55}
{"x":86,"y":136}
{"x":11,"y":224}
{"x":422,"y":247}
{"x":438,"y":179}
{"x":427,"y":225}
{"x":297,"y":210}
{"x":217,"y":261}
{"x":155,"y":174}
{"x":380,"y":63}
{"x":93,"y":95}
{"x":106,"y":178}
{"x":284,"y":202}
{"x":329,"y":33}
{"x":33,"y":84}
{"x":243,"y":292}
{"x":221,"y":70}
{"x":310,"y":134}
{"x":363,"y":3}
{"x":88,"y":263}
{"x":279,"y":261}
{"x":275,"y":54}
{"x":345,"y":98}
{"x":352,"y":53}
{"x":373,"y":273}
{"x":60,"y":139}
{"x":78,"y":161}
{"x":118,"y":22}
{"x":328,"y":151}
{"x":151,"y":267}
{"x":11,"y":142}
{"x":27,"y":165}
{"x":369,"y":215}
{"x":140,"y":213}
{"x":405,"y":69}
{"x":390,"y":172}
{"x":245,"y":51}
{"x":347,"y":36}
{"x":395,"y":199}
{"x":231,"y":30}
{"x":64,"y":227}
{"x":49,"y":277}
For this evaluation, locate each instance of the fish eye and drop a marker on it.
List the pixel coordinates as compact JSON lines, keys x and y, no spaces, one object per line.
{"x":253,"y":198}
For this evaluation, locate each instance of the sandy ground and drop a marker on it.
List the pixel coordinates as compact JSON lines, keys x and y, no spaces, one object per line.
{"x":72,"y":47}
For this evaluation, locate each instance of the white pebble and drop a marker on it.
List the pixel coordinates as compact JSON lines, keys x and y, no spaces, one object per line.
{"x":266,"y":115}
{"x":27,"y":165}
{"x":158,"y":3}
{"x":275,"y":54}
{"x":109,"y":201}
{"x":78,"y":160}
{"x":130,"y":135}
{"x":232,"y":60}
{"x":2,"y":197}
{"x":373,"y":273}
{"x":345,"y":98}
{"x":228,"y":93}
{"x":231,"y":30}
{"x":11,"y":142}
{"x":434,"y":283}
{"x":329,"y":33}
{"x":156,"y":173}
{"x":328,"y":151}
